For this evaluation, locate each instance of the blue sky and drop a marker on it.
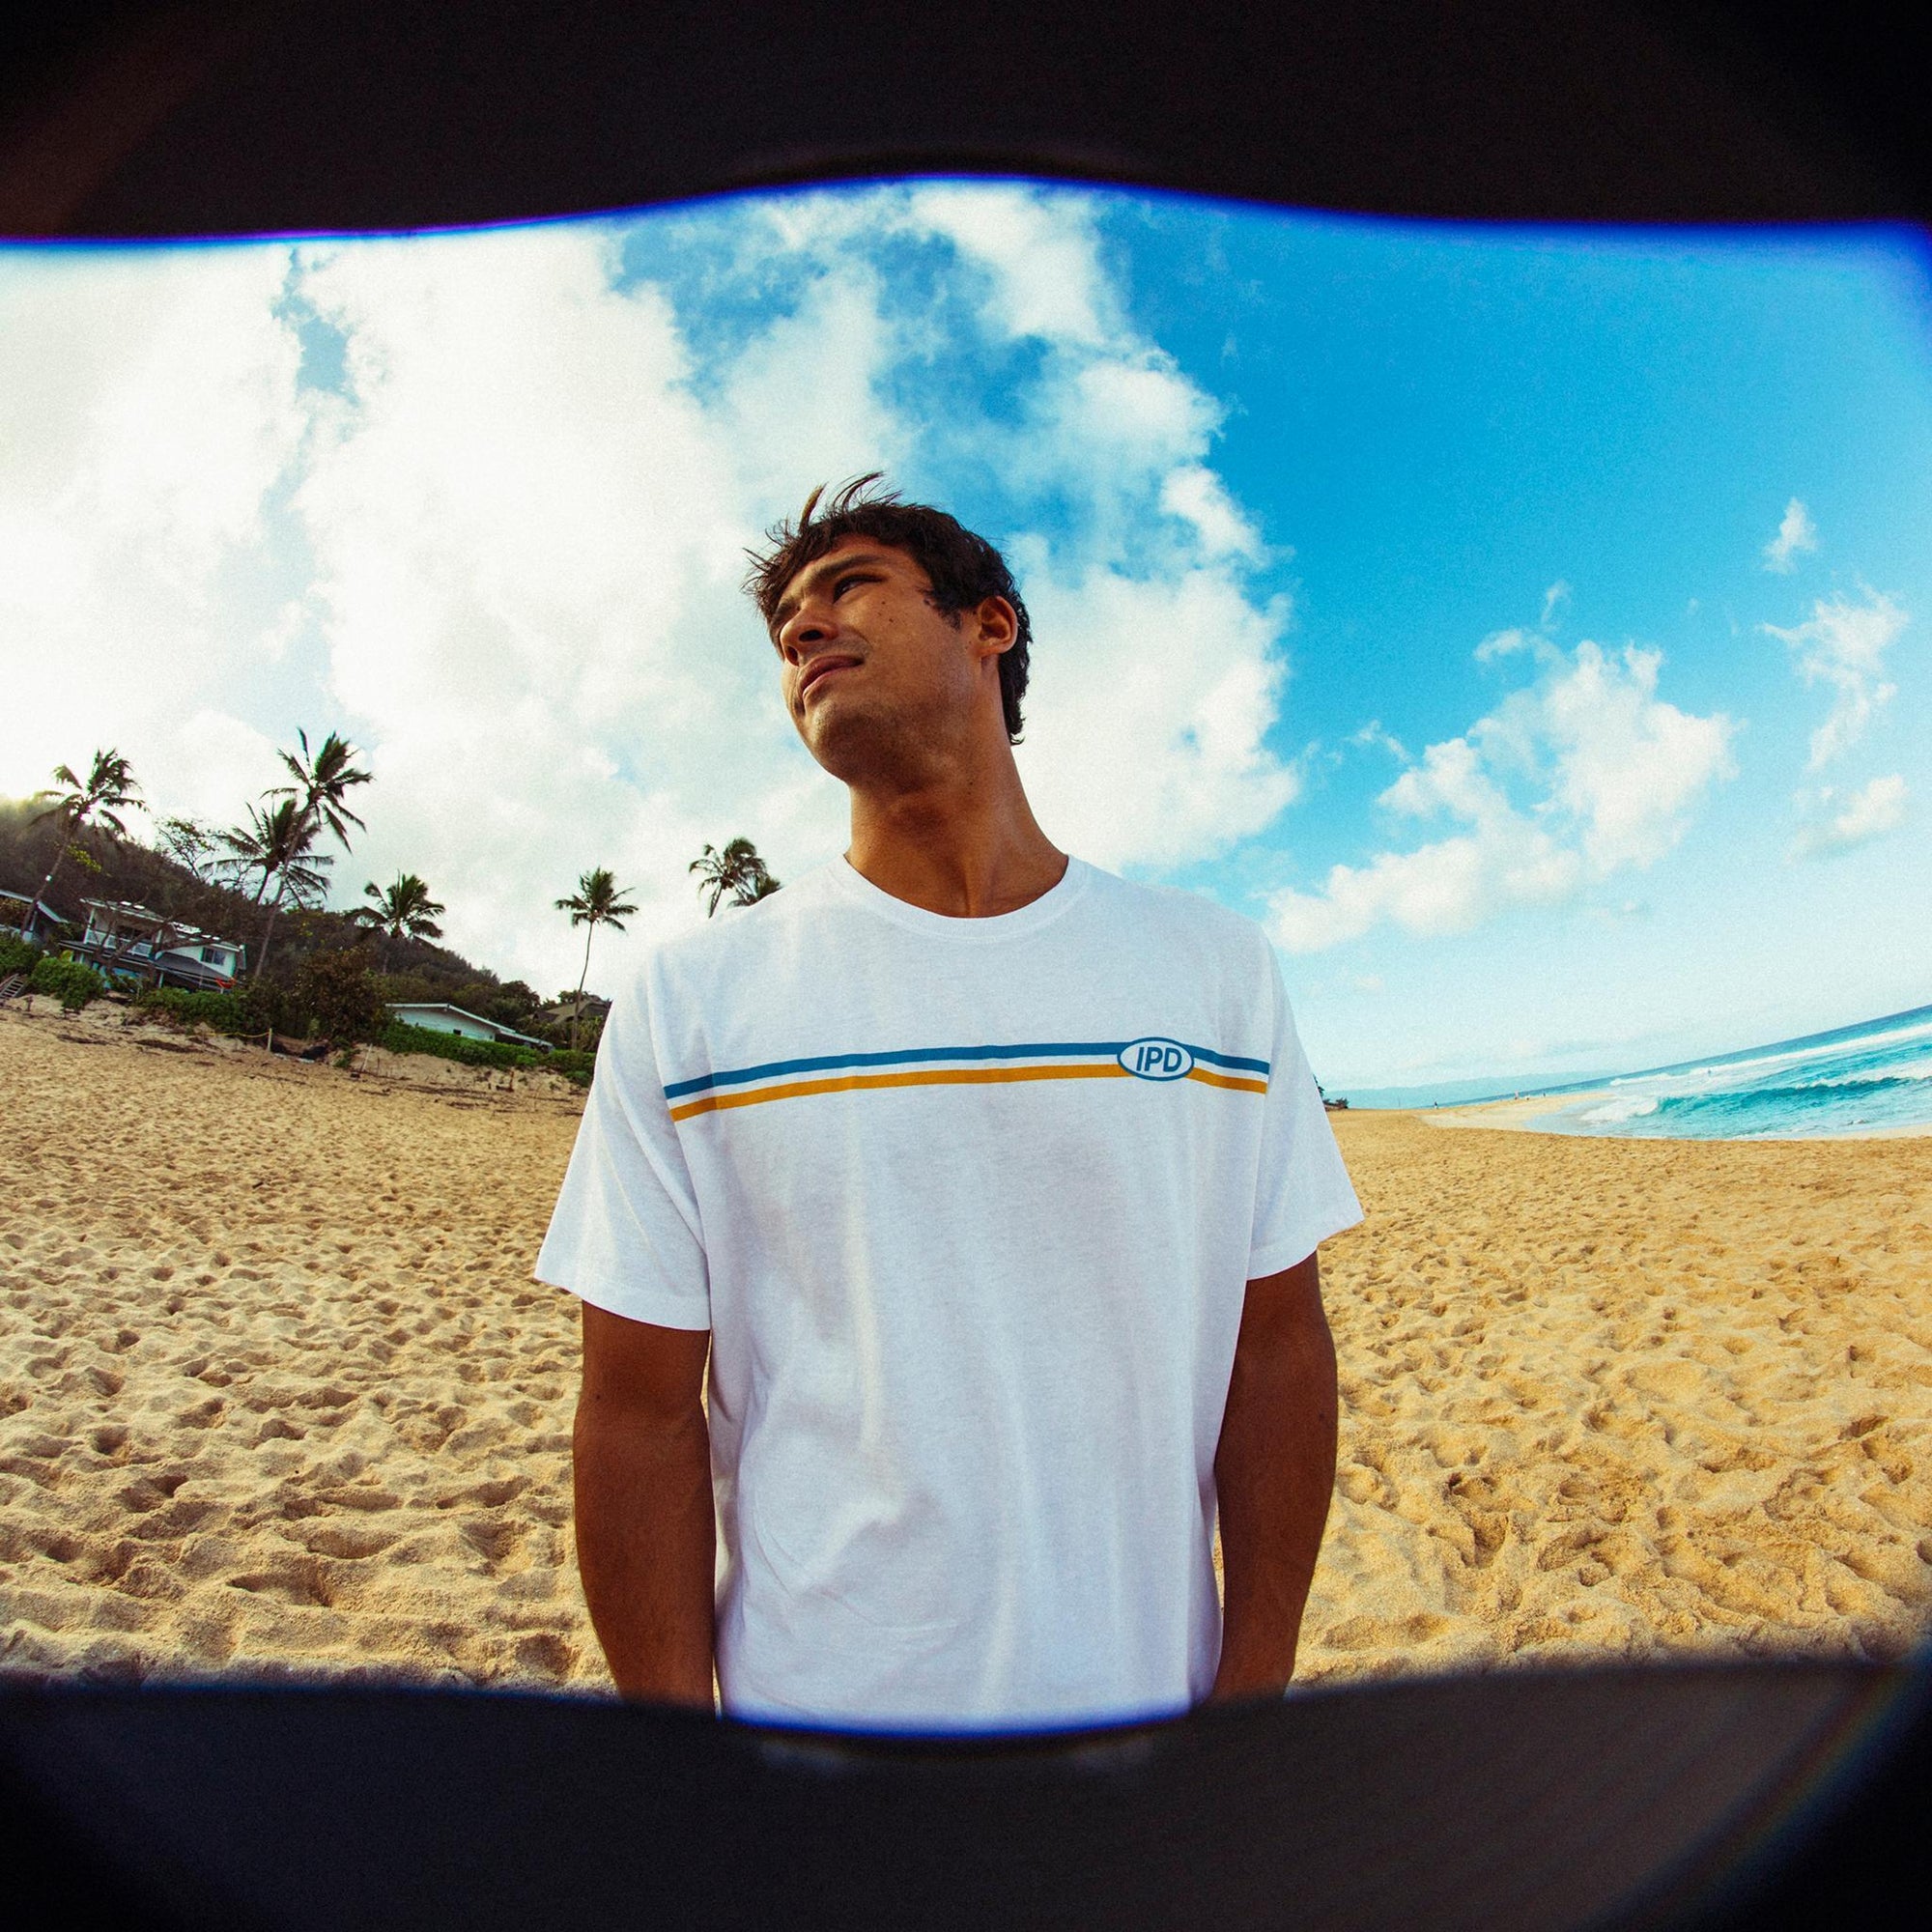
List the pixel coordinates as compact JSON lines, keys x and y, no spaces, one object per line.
{"x":1418,"y":591}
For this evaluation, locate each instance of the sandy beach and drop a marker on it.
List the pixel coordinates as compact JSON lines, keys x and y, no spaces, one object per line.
{"x":278,"y":1397}
{"x":1629,"y":1397}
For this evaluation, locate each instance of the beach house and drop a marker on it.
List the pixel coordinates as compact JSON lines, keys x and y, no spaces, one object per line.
{"x":17,"y":907}
{"x":438,"y":1017}
{"x":588,"y":1012}
{"x":133,"y":942}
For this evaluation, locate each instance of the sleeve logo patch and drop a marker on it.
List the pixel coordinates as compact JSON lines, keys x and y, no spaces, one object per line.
{"x":1155,"y":1059}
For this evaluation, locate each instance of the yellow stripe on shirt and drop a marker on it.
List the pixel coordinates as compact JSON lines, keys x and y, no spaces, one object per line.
{"x":932,"y":1077}
{"x":1228,"y":1081}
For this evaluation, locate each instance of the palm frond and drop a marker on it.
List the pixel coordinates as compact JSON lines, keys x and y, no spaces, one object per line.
{"x":321,"y":781}
{"x":402,"y":908}
{"x":737,"y":870}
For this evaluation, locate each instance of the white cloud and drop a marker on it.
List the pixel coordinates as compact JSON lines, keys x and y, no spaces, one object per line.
{"x":1138,"y":408}
{"x":801,"y":404}
{"x":1843,"y":645}
{"x":1041,"y":257}
{"x":1150,"y":703}
{"x":148,"y":409}
{"x":505,"y":555}
{"x":1518,"y":641}
{"x":528,"y":536}
{"x":1509,"y":643}
{"x":1615,"y":772}
{"x":1838,"y":823}
{"x":1628,"y":766}
{"x":213,"y":761}
{"x":1372,"y":737}
{"x":1796,"y":532}
{"x":1197,"y":495}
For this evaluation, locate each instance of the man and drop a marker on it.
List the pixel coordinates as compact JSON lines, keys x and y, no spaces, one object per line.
{"x":992,"y":1185}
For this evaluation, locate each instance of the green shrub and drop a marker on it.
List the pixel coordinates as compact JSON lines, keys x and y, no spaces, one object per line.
{"x":224,"y":1012}
{"x":71,"y":982}
{"x":333,"y":991}
{"x":247,"y":1012}
{"x":16,"y":955}
{"x":398,"y":1038}
{"x":264,"y":1007}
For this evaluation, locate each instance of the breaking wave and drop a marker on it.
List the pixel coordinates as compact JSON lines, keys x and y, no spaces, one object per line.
{"x":1856,"y":1080}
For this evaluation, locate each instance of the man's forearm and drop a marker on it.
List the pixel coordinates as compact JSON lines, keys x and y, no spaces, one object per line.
{"x":645,"y":1547}
{"x":1274,"y":1473}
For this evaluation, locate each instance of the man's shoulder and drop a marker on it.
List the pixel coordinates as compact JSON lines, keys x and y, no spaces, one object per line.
{"x":736,"y":936}
{"x":1187,"y":918}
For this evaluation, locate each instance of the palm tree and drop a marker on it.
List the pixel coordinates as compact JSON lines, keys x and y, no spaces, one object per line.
{"x":278,"y":841}
{"x":404,"y":910}
{"x":281,"y":842}
{"x":322,"y":782}
{"x":597,"y":901}
{"x":108,"y":790}
{"x":737,"y":870}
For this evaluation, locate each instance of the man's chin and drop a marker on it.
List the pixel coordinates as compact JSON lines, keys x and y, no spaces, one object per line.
{"x":853,"y":743}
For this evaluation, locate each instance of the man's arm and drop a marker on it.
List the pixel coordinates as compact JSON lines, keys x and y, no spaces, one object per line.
{"x":1275,"y":1470}
{"x":645,"y":1534}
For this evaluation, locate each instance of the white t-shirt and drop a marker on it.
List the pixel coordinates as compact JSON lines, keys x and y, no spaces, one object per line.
{"x":968,"y":1207}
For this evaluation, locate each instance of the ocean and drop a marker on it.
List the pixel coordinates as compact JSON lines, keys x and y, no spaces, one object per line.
{"x":1851,"y":1081}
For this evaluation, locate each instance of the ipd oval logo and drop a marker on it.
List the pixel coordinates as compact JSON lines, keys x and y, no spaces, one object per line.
{"x":1156,"y":1059}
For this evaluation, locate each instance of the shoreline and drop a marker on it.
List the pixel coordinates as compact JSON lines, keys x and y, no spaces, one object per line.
{"x":1525,"y":1117}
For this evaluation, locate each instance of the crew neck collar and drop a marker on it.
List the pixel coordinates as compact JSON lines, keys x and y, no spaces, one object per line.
{"x":852,"y":883}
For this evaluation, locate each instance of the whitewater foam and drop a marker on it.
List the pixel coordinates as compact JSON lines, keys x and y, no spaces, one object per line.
{"x":1853,"y":1080}
{"x":1626,"y":1107}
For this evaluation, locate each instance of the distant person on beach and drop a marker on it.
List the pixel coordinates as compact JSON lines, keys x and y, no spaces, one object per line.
{"x":991,"y":1185}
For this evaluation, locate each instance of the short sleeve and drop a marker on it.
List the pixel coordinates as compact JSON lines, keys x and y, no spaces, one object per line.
{"x":1302,"y":1193}
{"x":625,"y":1233}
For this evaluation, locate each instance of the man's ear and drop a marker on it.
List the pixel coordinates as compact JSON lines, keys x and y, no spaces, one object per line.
{"x":998,"y":624}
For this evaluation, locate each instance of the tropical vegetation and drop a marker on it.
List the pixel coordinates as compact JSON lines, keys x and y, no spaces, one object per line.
{"x":220,"y":1012}
{"x":398,"y":1036}
{"x":73,"y":982}
{"x":280,"y":838}
{"x":278,"y":844}
{"x":736,"y":873}
{"x":322,"y":784}
{"x":339,"y":995}
{"x":190,"y":844}
{"x":80,"y":807}
{"x":270,"y":876}
{"x":401,"y":910}
{"x":221,"y":898}
{"x":598,"y":900}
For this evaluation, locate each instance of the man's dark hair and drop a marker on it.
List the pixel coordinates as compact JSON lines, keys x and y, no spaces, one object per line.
{"x":964,"y":570}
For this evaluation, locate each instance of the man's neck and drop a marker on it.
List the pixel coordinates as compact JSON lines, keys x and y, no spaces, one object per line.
{"x":966,"y":846}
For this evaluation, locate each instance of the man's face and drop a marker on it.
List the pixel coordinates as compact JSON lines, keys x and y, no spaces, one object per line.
{"x":873,"y":672}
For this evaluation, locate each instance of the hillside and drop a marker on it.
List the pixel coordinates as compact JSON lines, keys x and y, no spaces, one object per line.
{"x":130,"y":871}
